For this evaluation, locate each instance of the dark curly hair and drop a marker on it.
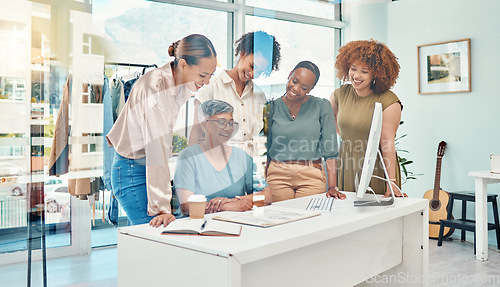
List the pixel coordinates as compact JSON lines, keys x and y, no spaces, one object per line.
{"x":263,"y":43}
{"x":380,"y":60}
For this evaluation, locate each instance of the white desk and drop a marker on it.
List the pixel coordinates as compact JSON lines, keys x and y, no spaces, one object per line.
{"x":483,"y":178}
{"x":342,"y":248}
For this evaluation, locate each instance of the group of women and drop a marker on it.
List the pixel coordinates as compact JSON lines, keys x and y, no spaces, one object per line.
{"x":302,"y":148}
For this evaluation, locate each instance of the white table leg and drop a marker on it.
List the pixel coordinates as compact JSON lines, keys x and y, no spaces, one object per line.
{"x":481,"y":220}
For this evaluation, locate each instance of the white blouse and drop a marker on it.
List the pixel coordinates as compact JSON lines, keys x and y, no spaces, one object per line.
{"x":248,"y":109}
{"x":144,"y":129}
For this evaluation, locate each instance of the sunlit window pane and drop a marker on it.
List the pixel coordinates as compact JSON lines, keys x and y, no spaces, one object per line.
{"x":316,"y":8}
{"x":142,"y":34}
{"x":307,"y":42}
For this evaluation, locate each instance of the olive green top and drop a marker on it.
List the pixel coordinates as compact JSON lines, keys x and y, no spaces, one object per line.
{"x":354,"y":120}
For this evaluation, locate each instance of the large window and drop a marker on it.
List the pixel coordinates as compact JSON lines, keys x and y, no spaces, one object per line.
{"x":143,"y":33}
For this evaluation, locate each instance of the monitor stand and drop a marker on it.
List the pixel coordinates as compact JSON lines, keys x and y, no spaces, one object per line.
{"x":377,"y":202}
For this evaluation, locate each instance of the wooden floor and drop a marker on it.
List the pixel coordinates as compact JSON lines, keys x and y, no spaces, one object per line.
{"x":453,"y":264}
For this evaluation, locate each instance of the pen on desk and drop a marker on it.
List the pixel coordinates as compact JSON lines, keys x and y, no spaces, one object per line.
{"x":203,"y":225}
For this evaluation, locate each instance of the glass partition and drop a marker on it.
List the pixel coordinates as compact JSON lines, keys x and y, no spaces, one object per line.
{"x":54,"y":59}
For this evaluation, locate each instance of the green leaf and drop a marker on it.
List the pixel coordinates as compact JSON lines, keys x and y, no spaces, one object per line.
{"x":404,"y":170}
{"x":398,"y":138}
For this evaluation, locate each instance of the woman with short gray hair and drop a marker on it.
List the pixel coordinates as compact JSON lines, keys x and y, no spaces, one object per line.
{"x":222,"y":173}
{"x":213,"y":107}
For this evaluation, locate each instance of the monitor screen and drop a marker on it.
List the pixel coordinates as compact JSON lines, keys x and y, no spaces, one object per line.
{"x":371,"y":151}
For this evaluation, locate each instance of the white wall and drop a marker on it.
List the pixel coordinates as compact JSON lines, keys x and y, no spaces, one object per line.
{"x":365,"y":19}
{"x":468,"y":122}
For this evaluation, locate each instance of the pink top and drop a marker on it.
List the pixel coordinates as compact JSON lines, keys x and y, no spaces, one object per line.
{"x":144,"y":129}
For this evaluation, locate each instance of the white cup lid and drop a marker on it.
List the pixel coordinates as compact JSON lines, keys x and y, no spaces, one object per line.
{"x":197,"y":198}
{"x":259,"y":197}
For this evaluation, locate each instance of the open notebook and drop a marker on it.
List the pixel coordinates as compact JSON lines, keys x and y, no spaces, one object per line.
{"x":201,"y":227}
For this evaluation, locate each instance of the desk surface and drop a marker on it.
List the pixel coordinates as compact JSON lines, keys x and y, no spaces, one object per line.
{"x":484,"y":174}
{"x":344,"y":219}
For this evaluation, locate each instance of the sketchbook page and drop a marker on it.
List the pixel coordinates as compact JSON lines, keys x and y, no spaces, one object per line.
{"x":184,"y":226}
{"x":266,"y":216}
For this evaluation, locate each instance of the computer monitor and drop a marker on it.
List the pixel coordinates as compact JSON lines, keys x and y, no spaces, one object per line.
{"x":372,"y":150}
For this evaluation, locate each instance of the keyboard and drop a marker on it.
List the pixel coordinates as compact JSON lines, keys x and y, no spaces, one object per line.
{"x":323,"y":204}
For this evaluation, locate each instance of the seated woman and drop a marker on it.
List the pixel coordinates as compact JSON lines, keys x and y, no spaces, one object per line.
{"x":222,"y":173}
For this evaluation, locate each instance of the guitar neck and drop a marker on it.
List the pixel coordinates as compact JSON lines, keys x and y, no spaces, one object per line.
{"x":437,"y":179}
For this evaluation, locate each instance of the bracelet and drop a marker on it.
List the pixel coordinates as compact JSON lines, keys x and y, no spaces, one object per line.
{"x":333,"y":187}
{"x":238,"y":197}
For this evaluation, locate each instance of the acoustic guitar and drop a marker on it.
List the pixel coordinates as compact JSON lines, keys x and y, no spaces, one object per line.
{"x":438,"y":200}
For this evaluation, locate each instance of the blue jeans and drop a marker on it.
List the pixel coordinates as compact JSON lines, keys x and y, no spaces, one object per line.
{"x":128,"y":178}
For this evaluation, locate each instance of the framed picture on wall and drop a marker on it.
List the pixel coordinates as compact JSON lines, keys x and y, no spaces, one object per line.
{"x":444,"y":67}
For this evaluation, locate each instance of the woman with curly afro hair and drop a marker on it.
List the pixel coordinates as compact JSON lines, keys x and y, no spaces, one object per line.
{"x":371,"y":70}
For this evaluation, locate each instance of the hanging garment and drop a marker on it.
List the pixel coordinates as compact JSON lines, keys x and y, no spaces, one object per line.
{"x":107,"y":125}
{"x":79,"y":187}
{"x":59,"y":160}
{"x":59,"y":153}
{"x":109,"y":152}
{"x":96,"y":94}
{"x":127,"y":87}
{"x":117,"y":97}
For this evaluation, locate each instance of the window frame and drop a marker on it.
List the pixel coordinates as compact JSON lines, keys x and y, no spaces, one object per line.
{"x":237,"y":10}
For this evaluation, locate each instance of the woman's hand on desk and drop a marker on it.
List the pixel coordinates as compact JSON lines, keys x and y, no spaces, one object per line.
{"x":164,"y":218}
{"x":216,"y":204}
{"x":239,"y":204}
{"x":225,"y":204}
{"x":334,"y":192}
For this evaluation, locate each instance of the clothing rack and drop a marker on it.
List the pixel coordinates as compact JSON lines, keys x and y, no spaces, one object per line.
{"x":132,"y":65}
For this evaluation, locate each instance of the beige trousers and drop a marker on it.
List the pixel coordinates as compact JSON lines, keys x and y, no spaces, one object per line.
{"x":288,"y":181}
